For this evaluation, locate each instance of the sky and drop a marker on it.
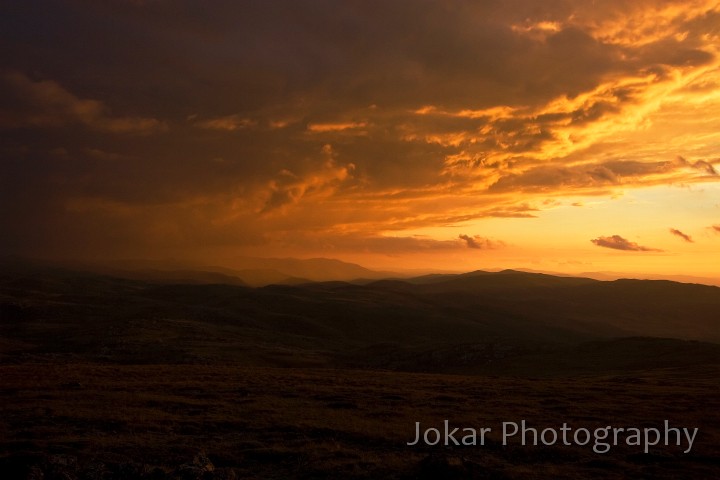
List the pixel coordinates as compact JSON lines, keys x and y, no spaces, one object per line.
{"x":568,"y":136}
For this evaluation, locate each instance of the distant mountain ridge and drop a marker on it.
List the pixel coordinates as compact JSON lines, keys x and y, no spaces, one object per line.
{"x":250,"y":271}
{"x":473,"y":322}
{"x":314,"y":269}
{"x":259,"y":271}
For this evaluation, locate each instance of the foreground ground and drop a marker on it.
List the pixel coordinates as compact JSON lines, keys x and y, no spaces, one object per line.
{"x":80,"y":420}
{"x":106,"y":378}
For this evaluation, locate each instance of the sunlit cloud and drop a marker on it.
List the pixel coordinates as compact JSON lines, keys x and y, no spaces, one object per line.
{"x":446,"y":119}
{"x":644,"y":22}
{"x":612,"y":173}
{"x":288,"y":188}
{"x":479,"y":243}
{"x":227,"y":123}
{"x":387,"y":244}
{"x":619,"y":243}
{"x":334,"y":127}
{"x":682,"y":235}
{"x":538,"y":31}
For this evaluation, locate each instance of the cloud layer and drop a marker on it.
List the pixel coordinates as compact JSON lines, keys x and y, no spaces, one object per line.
{"x":343,"y":126}
{"x":619,"y":243}
{"x":682,"y":235}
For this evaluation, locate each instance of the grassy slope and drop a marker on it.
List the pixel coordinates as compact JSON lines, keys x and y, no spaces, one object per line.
{"x":292,"y":423}
{"x":127,"y":379}
{"x":473,"y":323}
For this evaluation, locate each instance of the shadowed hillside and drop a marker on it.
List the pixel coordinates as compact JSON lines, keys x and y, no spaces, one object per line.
{"x":477,"y":322}
{"x":119,"y":378}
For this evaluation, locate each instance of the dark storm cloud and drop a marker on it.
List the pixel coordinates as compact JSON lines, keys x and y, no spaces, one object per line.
{"x":28,"y":103}
{"x":237,"y":57}
{"x":127,"y":114}
{"x":619,"y":243}
{"x":682,"y":235}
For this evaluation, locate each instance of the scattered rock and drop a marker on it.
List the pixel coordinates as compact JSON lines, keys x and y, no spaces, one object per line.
{"x":201,"y":468}
{"x":68,"y":467}
{"x":35,"y":473}
{"x":95,"y":471}
{"x":64,"y":461}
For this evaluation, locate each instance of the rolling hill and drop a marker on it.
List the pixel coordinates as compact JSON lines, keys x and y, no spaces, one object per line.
{"x":474,"y":322}
{"x":181,"y":377}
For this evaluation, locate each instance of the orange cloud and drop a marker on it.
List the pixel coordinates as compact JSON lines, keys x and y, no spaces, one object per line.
{"x":643,"y":22}
{"x":619,"y":243}
{"x":288,"y":188}
{"x":448,"y":117}
{"x":478,"y":242}
{"x":386,"y":244}
{"x":227,"y":123}
{"x":334,"y":127}
{"x":613,"y":173}
{"x":680,"y":234}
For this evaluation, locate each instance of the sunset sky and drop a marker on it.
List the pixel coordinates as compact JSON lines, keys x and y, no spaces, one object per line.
{"x":567,"y":136}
